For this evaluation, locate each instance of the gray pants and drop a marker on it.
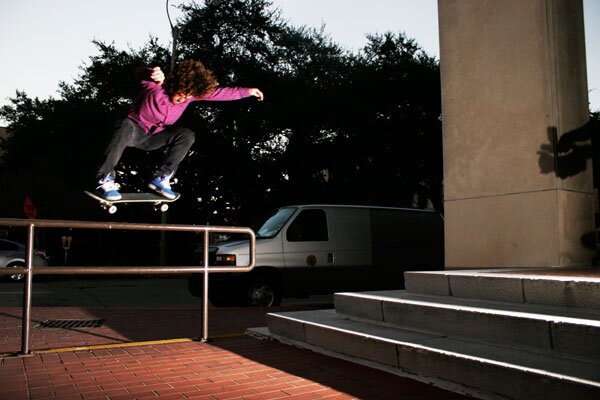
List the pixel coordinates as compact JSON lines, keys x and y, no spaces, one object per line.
{"x":128,"y":134}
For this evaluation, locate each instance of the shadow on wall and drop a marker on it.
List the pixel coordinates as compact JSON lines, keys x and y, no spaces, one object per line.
{"x":568,"y":156}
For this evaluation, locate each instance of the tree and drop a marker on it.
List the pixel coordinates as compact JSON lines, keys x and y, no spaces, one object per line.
{"x":396,"y":131}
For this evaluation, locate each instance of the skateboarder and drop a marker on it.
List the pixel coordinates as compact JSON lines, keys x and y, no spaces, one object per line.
{"x":149,"y":125}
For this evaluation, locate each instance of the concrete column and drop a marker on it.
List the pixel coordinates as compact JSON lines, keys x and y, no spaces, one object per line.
{"x":517,"y":165}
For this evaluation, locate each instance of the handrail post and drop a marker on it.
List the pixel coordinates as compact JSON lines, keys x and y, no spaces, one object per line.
{"x":26,"y":322}
{"x":205,"y":288}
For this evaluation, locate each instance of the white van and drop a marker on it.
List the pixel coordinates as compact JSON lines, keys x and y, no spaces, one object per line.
{"x":316,"y":249}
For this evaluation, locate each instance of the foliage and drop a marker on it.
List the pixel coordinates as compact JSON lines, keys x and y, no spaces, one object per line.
{"x":334,"y":127}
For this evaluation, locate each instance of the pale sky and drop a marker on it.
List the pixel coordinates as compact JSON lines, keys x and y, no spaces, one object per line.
{"x":43,"y":42}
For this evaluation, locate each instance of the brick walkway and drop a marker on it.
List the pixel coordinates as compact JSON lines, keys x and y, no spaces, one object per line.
{"x":120,"y":363}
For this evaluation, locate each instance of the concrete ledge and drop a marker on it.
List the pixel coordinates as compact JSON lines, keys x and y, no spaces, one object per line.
{"x":287,"y":327}
{"x":495,"y":378}
{"x":514,"y":285}
{"x":581,"y":340}
{"x":368,"y":308}
{"x":478,"y":324}
{"x":362,"y":346}
{"x":567,"y":293}
{"x":562,"y":329}
{"x":486,"y":288}
{"x":427,"y":283}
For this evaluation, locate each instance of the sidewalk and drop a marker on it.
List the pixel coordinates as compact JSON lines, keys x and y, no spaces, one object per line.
{"x":150,"y":354}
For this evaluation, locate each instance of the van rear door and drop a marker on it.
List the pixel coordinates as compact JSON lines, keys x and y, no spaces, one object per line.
{"x":353,"y":255}
{"x":308,"y":251}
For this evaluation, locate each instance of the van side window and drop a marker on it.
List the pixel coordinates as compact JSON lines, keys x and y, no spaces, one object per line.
{"x":309,"y":226}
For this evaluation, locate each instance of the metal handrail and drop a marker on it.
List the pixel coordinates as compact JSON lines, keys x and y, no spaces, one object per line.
{"x":29,"y":270}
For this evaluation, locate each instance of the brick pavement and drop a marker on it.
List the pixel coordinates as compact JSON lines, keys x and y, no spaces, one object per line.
{"x":120,"y":361}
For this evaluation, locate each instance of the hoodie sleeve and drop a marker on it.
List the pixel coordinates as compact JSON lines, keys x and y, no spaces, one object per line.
{"x":226,"y":94}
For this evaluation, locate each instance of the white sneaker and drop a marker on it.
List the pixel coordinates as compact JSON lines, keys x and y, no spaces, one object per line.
{"x":162,"y":186}
{"x":108,"y":189}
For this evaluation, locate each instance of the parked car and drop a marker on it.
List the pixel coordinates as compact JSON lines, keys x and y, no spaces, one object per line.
{"x":13,"y":254}
{"x":316,"y":249}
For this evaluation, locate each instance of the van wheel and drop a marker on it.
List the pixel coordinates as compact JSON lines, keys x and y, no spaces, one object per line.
{"x":16,"y":277}
{"x":263,"y":292}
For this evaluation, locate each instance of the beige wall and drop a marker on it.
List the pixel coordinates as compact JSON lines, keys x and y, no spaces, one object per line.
{"x":513,"y":76}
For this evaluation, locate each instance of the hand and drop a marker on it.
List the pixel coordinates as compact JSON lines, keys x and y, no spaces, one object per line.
{"x":157,"y":75}
{"x":256,"y":93}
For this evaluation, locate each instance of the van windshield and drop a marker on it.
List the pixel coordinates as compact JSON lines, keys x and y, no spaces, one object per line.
{"x":270,"y":226}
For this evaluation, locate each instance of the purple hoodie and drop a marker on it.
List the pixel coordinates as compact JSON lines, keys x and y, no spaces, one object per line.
{"x":153,"y":110}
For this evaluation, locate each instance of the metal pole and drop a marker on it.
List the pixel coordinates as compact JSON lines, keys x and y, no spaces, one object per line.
{"x":205,"y":288}
{"x":27,"y":292}
{"x":175,"y":35}
{"x":174,"y":50}
{"x":163,"y":240}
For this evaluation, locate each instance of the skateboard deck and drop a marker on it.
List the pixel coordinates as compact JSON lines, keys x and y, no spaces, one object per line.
{"x":159,"y":202}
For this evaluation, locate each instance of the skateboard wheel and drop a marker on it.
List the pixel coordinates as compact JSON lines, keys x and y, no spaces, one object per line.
{"x":112,"y":209}
{"x":164,"y":207}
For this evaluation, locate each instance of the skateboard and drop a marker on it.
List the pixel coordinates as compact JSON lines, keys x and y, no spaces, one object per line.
{"x":159,"y":202}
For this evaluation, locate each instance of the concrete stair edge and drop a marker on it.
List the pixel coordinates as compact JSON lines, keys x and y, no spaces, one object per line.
{"x":525,"y":310}
{"x":518,"y":287}
{"x":476,"y":320}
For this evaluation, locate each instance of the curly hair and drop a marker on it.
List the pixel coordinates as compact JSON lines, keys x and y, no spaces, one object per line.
{"x":190,"y":77}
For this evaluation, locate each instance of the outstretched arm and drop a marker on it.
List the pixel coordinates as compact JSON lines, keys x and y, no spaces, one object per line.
{"x":232,"y":93}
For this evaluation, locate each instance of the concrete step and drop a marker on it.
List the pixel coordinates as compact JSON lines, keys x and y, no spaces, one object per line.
{"x":480,"y":368}
{"x":523,"y":285}
{"x":552,"y":328}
